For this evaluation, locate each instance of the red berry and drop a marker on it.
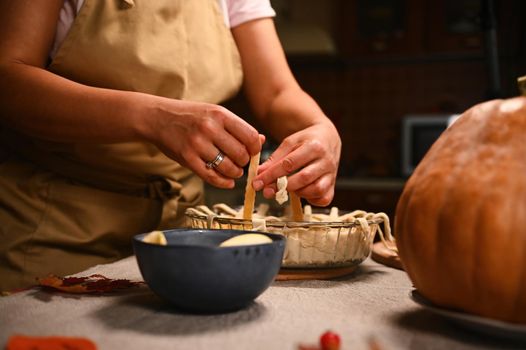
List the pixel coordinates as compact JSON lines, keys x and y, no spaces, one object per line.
{"x":330,"y":341}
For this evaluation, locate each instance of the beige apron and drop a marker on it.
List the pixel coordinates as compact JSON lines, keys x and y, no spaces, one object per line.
{"x":65,"y":207}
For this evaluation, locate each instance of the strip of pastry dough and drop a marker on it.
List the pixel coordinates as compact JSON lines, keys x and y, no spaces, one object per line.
{"x":250,"y":193}
{"x":282,"y":194}
{"x":295,"y":206}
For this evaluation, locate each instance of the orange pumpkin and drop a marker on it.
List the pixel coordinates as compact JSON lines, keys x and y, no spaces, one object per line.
{"x":460,"y":223}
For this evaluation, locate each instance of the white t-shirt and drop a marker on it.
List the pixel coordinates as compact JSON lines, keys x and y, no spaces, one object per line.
{"x":235,"y":12}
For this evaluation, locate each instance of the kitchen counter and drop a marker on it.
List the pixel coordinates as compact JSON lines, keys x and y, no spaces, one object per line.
{"x":372,"y":302}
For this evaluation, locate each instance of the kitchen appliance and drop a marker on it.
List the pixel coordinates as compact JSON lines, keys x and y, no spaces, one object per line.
{"x":419,"y":132}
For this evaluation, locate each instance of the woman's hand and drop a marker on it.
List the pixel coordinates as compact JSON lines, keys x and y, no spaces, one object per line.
{"x":62,"y":110}
{"x":310,"y":150}
{"x":193,"y":133}
{"x":310,"y":159}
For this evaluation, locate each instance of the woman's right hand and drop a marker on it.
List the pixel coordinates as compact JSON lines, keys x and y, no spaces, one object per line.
{"x":193,"y":133}
{"x":62,"y":110}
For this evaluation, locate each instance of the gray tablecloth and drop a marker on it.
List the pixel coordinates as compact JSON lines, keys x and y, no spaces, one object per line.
{"x":372,"y":302}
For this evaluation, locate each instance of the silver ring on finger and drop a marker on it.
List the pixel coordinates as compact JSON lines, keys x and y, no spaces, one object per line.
{"x":216,"y":161}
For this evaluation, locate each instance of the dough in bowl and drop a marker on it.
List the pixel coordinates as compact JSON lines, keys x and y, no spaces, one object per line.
{"x":246,"y":239}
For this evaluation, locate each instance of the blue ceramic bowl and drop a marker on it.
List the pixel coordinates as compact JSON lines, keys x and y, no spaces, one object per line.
{"x":194,"y":274}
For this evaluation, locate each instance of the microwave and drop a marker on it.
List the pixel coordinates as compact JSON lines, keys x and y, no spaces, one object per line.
{"x":418,"y":133}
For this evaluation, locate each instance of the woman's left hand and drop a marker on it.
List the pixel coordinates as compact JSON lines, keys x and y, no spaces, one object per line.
{"x":310,"y":159}
{"x":310,"y":151}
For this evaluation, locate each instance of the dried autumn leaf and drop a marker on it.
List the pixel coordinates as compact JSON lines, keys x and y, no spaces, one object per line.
{"x":88,"y":284}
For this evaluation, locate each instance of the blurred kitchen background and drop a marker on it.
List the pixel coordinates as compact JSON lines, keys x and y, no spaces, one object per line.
{"x":391,"y":74}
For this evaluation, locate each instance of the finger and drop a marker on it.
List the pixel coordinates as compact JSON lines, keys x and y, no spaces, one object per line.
{"x":214,"y":178}
{"x":244,"y":132}
{"x":232,"y":148}
{"x":323,"y":201}
{"x":319,"y":192}
{"x":224,"y":166}
{"x":269,"y":192}
{"x":285,"y":166}
{"x":284,"y":148}
{"x":306,"y":176}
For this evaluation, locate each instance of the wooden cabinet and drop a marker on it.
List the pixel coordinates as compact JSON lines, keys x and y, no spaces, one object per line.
{"x":376,"y":28}
{"x":454,"y":26}
{"x":380,"y":27}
